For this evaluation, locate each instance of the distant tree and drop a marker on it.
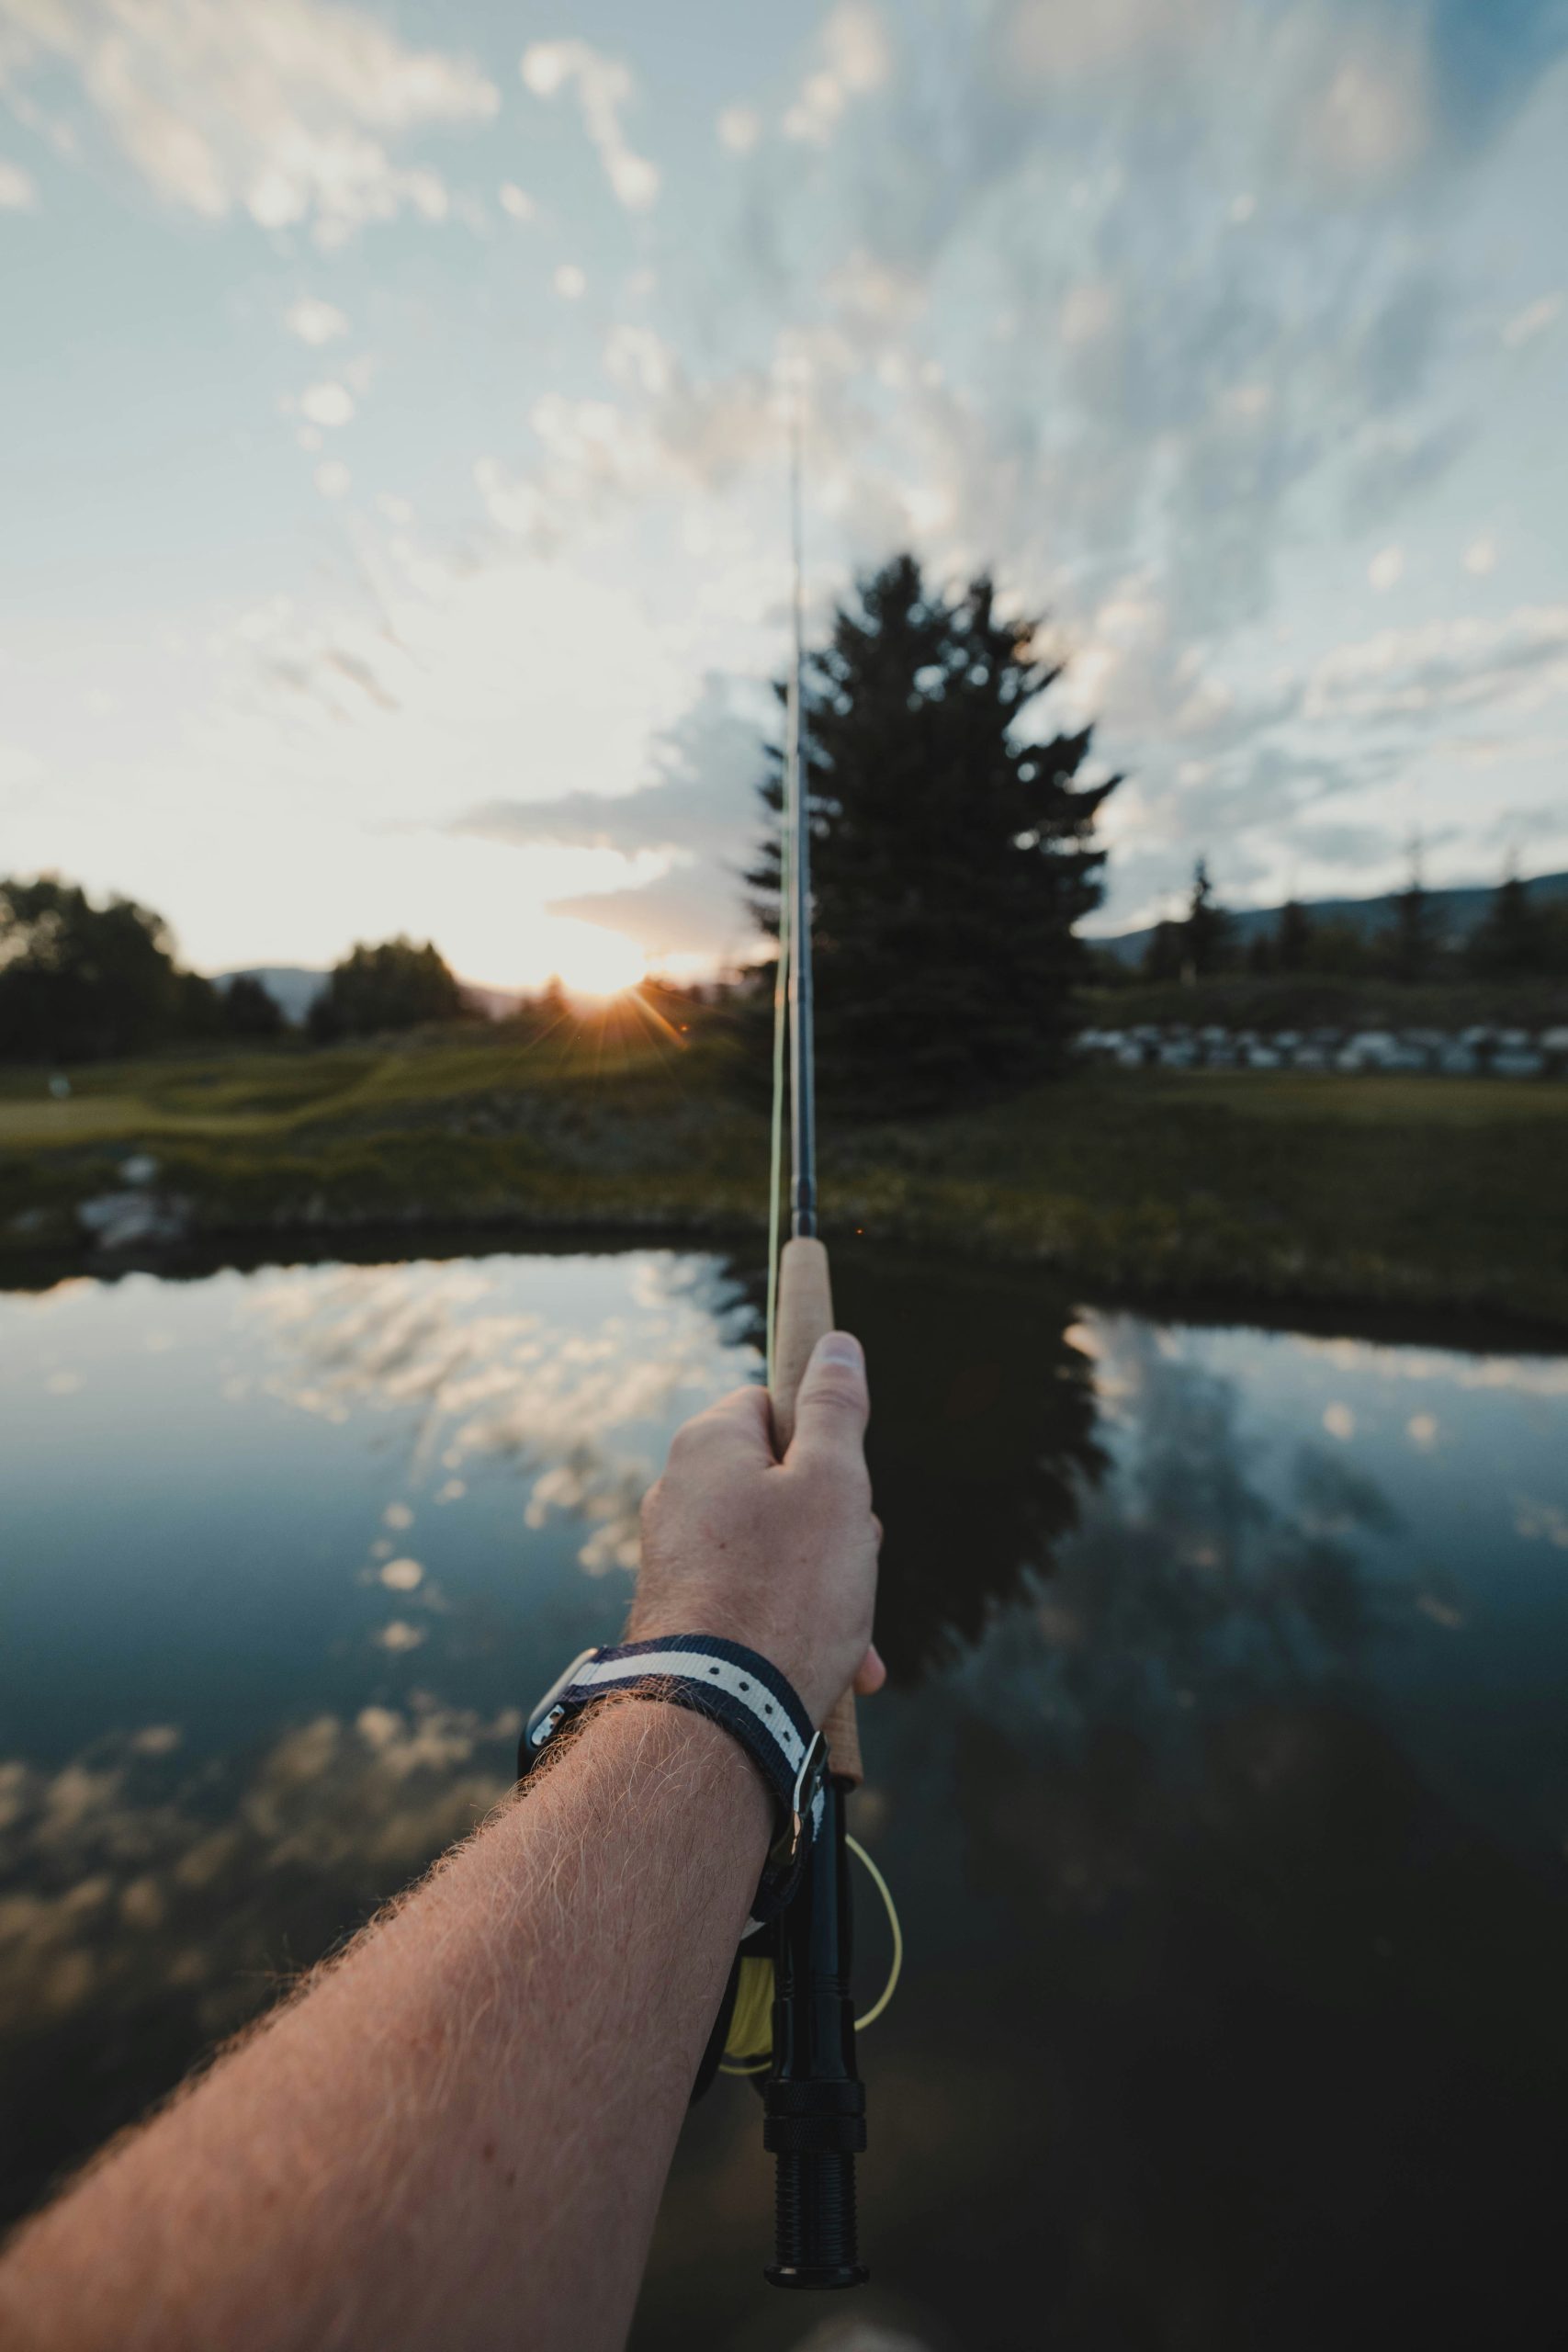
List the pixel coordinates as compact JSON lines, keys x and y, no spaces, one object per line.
{"x":397,"y":985}
{"x":250,"y":1008}
{"x":78,"y":981}
{"x":200,"y":1007}
{"x":1511,"y":941}
{"x":1206,"y":933}
{"x":1412,"y":944}
{"x":1337,"y":944}
{"x":1104,"y":968}
{"x":1165,"y":952}
{"x":952,"y":849}
{"x":1292,"y":938}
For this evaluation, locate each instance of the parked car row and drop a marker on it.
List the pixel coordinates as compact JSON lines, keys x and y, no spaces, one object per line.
{"x":1476,"y":1052}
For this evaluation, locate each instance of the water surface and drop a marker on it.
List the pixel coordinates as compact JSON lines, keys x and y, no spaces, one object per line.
{"x":1223,"y":1784}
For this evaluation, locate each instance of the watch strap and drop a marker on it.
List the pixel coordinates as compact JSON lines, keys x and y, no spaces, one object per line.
{"x":734,"y":1687}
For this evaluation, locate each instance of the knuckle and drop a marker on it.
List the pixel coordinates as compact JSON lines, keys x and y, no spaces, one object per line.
{"x":837,"y":1385}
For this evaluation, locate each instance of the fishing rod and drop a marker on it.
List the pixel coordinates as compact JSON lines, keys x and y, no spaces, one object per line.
{"x":814,"y":2104}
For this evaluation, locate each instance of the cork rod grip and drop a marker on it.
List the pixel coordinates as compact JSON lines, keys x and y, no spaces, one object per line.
{"x":805,"y":1311}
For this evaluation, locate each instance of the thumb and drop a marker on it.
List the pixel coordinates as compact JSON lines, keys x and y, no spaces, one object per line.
{"x":833,"y":1403}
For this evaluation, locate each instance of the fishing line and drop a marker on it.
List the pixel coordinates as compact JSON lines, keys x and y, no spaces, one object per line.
{"x":789,"y":814}
{"x":749,"y":2041}
{"x":781,"y":1019}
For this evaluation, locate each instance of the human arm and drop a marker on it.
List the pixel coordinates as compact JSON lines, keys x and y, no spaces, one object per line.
{"x":459,"y":2132}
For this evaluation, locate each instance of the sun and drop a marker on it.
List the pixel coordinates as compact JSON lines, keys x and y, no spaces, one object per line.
{"x":593,"y":962}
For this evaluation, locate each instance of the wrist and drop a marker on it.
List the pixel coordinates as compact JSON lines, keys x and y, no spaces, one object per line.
{"x":737,"y":1690}
{"x":672,"y":1756}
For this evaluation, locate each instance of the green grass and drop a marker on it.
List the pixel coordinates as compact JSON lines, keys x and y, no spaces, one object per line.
{"x":1281,"y":1186}
{"x":1328,"y":999}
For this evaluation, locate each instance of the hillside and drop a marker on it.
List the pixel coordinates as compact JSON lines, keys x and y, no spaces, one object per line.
{"x":1455,"y":912}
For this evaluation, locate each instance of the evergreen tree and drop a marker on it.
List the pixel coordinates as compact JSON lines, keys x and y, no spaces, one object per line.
{"x":1412,"y":944}
{"x":1165,"y":952}
{"x":1207,"y":930}
{"x":950,"y":849}
{"x":1510,"y":941}
{"x":1292,"y":938}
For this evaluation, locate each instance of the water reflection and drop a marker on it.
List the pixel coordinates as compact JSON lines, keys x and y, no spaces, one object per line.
{"x":1222,"y":1783}
{"x":148,"y":1908}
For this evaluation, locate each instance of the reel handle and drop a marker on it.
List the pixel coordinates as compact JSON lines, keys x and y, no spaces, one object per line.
{"x":804,"y":1313}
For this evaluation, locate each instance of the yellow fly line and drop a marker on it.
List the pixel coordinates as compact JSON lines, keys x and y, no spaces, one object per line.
{"x":749,"y":2041}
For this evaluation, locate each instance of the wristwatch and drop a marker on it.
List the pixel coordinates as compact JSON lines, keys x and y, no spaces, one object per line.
{"x":732,"y":1686}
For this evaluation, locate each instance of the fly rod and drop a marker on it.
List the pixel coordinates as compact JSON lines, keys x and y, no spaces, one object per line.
{"x":813,"y":2102}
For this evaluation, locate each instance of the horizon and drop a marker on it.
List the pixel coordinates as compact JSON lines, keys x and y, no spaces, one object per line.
{"x":396,"y":486}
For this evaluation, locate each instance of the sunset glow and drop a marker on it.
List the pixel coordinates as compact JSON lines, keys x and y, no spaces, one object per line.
{"x":592,"y":962}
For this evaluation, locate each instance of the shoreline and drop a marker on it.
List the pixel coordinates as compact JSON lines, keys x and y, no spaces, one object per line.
{"x":1271,"y":1193}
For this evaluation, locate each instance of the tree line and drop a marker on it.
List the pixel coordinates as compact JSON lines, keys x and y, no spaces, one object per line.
{"x":1519,"y":938}
{"x":954,"y":857}
{"x":81,"y":982}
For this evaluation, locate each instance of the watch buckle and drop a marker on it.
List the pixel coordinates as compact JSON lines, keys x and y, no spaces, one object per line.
{"x":791,"y":1842}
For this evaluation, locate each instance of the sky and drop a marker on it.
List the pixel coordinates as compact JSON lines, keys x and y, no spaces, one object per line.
{"x":393,"y":485}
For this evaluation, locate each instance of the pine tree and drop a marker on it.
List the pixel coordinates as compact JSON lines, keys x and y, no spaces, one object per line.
{"x":1207,"y":928}
{"x":1412,"y":944}
{"x":1292,"y":937}
{"x":950,"y":849}
{"x":1509,"y":943}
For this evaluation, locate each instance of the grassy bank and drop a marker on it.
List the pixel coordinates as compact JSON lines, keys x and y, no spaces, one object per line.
{"x":1273,"y":1187}
{"x":1273,"y":1001}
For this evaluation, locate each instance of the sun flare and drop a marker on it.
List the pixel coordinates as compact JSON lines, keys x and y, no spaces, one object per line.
{"x":593,"y":962}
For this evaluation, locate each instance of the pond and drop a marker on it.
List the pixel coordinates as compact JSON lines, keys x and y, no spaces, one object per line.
{"x":1223,"y":1785}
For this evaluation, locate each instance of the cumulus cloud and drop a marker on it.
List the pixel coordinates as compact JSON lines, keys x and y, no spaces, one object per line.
{"x":315,"y":322}
{"x":605,"y":88}
{"x":855,"y":57}
{"x":279,"y":112}
{"x":328,"y":404}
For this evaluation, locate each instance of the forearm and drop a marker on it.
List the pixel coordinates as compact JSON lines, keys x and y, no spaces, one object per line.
{"x":459,"y":2132}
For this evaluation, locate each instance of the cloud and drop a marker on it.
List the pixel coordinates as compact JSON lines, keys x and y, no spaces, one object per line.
{"x":700,"y":815}
{"x":19,"y":189}
{"x":740,"y":128}
{"x":515,"y":202}
{"x":1532,"y":321}
{"x":481,"y":1385}
{"x":1386,"y":568}
{"x":1442,"y":668}
{"x":279,"y":112}
{"x":332,"y":479}
{"x":570,"y":282}
{"x":316,"y":323}
{"x":605,"y":87}
{"x":856,"y":58}
{"x":328,"y":404}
